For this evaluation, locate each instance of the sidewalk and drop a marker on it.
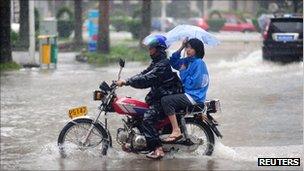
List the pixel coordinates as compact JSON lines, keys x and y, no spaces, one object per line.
{"x":22,"y":57}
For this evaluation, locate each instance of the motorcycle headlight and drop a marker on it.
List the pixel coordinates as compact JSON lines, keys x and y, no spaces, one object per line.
{"x":98,"y":95}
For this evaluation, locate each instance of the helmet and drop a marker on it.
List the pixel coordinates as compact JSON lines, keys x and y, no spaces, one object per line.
{"x":155,"y":41}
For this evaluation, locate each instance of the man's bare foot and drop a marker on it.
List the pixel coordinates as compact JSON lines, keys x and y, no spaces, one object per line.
{"x":156,"y":154}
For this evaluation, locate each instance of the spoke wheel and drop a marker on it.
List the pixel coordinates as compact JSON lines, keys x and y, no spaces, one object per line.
{"x":202,"y":137}
{"x":72,"y":138}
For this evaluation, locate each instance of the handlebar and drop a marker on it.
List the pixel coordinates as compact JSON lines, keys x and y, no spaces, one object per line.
{"x":113,"y":85}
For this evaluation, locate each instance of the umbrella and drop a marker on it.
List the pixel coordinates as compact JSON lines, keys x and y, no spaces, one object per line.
{"x":181,"y":32}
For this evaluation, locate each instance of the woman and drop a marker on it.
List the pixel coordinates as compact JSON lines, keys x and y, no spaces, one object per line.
{"x":195,"y":78}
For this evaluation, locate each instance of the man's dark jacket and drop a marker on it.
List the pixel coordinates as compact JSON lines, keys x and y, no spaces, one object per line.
{"x":160,"y":77}
{"x":163,"y":81}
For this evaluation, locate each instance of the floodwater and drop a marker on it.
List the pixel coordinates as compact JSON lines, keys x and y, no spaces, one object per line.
{"x":262,"y":106}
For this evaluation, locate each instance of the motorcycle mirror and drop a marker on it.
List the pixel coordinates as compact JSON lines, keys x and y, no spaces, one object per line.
{"x":121,"y":62}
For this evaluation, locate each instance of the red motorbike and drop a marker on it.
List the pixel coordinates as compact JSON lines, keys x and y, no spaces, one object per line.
{"x":83,"y":133}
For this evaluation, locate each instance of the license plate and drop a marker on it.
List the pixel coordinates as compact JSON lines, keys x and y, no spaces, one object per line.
{"x":79,"y":111}
{"x":285,"y":37}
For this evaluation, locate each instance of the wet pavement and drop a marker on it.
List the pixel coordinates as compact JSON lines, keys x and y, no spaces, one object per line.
{"x":262,"y":107}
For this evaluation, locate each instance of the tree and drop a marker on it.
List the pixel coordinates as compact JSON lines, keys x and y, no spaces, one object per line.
{"x":5,"y":30}
{"x":233,"y":5}
{"x":78,"y":23}
{"x":145,"y":20}
{"x":24,"y":24}
{"x":297,"y":6}
{"x":179,"y":9}
{"x":103,"y":44}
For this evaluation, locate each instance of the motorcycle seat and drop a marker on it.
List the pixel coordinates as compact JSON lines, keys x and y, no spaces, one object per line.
{"x":196,"y":108}
{"x":212,"y":106}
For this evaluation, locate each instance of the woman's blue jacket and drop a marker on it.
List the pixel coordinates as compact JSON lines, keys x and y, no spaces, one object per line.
{"x":195,"y":77}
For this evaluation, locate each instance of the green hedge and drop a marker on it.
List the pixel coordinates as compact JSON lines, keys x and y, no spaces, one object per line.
{"x":65,"y":26}
{"x":120,"y":23}
{"x":216,"y":24}
{"x":14,"y":37}
{"x":119,"y":51}
{"x":9,"y":66}
{"x":134,"y":28}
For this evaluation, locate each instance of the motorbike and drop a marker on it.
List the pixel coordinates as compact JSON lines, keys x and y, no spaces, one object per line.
{"x":196,"y":122}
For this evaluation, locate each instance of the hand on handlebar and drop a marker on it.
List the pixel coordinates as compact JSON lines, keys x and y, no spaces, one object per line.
{"x":120,"y":83}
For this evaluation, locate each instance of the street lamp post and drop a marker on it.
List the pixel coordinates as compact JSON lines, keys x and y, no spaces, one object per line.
{"x":32,"y":32}
{"x":163,"y":16}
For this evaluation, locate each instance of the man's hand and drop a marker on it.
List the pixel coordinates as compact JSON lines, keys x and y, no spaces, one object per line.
{"x":183,"y":66}
{"x":120,"y":83}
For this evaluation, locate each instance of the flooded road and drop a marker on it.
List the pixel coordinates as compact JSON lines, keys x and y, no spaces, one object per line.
{"x":262,"y":106}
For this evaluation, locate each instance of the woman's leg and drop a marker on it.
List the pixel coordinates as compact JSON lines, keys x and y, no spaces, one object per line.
{"x":170,"y":104}
{"x":175,"y":128}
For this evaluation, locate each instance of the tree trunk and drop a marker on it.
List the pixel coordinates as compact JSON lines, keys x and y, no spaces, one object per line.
{"x":78,"y":23}
{"x":296,"y":6}
{"x":103,"y":27}
{"x":145,"y":20}
{"x":233,"y":5}
{"x":5,"y":30}
{"x":126,"y":5}
{"x":24,"y":24}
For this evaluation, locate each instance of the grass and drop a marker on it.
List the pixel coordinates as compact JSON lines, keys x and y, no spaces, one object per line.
{"x":129,"y":53}
{"x":8,"y":66}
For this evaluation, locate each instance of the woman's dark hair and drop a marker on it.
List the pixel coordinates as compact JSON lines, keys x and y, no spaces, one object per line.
{"x":198,"y":46}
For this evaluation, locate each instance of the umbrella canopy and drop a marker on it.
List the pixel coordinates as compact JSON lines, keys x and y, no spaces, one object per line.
{"x":181,"y":32}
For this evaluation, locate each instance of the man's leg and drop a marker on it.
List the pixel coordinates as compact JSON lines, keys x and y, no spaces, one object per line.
{"x":150,"y":132}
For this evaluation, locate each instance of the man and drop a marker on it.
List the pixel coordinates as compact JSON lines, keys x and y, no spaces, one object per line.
{"x":162,"y":81}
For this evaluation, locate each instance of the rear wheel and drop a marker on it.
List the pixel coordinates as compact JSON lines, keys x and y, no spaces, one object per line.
{"x":71,"y":139}
{"x":201,"y":135}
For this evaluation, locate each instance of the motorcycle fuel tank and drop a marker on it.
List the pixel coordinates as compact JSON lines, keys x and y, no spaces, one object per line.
{"x":129,"y":106}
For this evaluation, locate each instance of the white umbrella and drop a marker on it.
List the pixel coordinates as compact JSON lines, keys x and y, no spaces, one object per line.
{"x":181,"y":32}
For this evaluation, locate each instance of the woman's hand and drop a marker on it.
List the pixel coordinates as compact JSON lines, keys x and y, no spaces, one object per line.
{"x":183,"y":44}
{"x":120,"y":83}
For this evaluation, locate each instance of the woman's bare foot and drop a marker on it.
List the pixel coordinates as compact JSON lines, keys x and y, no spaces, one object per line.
{"x":174,"y":136}
{"x":175,"y":133}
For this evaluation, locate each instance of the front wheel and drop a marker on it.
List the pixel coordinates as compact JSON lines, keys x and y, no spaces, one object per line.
{"x":72,"y":138}
{"x":201,"y":135}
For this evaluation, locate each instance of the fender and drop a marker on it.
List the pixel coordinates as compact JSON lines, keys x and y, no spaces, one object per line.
{"x":99,"y":124}
{"x":206,"y":121}
{"x":212,"y":125}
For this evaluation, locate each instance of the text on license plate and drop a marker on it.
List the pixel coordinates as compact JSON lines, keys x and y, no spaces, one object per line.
{"x":79,"y":111}
{"x":285,"y":37}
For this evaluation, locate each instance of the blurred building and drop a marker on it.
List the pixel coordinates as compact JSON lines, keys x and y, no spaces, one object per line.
{"x":15,"y":11}
{"x":46,"y":8}
{"x":249,"y":6}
